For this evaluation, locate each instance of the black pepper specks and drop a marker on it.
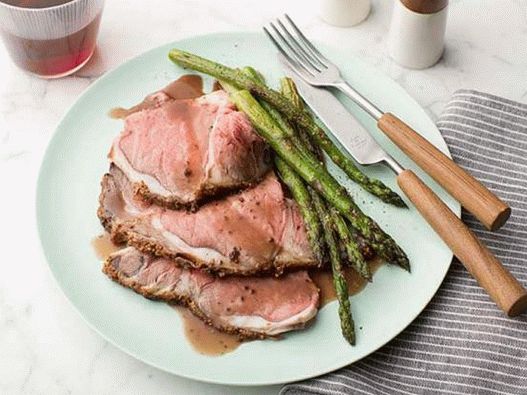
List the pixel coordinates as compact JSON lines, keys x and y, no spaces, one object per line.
{"x":234,"y":255}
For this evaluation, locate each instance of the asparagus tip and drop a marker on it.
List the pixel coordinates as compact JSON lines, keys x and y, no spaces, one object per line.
{"x":173,"y":54}
{"x":404,"y":264}
{"x":365,"y":273}
{"x":397,"y":201}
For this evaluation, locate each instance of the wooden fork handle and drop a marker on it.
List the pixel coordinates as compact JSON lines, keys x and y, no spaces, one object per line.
{"x":502,"y":287}
{"x":476,"y":198}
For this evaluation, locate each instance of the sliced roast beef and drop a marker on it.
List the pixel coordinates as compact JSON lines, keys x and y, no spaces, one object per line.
{"x":178,"y":152}
{"x":249,"y":306}
{"x":254,"y":231}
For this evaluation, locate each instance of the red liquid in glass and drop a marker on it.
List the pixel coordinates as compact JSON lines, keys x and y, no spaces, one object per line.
{"x":35,"y":3}
{"x":52,"y":57}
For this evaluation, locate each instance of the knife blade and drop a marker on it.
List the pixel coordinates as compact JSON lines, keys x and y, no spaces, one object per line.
{"x":341,"y":123}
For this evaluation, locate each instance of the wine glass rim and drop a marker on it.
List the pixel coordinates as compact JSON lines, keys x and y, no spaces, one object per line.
{"x":42,"y":9}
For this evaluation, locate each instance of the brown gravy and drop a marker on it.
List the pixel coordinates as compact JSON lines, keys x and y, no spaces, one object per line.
{"x":188,"y":86}
{"x":205,"y":339}
{"x":324,"y":281}
{"x":209,"y":341}
{"x":103,"y":246}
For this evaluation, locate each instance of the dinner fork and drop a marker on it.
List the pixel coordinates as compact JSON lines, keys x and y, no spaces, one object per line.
{"x":317,"y":70}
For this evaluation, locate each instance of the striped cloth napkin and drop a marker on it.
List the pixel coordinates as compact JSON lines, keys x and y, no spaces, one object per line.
{"x":461,"y":343}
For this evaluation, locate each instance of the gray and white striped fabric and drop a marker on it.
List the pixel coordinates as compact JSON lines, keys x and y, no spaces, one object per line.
{"x":462,"y":343}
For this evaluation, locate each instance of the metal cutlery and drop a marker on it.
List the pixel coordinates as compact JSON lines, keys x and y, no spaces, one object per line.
{"x":314,"y":68}
{"x":502,"y":287}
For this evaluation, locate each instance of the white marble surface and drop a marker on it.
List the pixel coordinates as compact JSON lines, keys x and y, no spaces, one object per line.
{"x":45,"y":346}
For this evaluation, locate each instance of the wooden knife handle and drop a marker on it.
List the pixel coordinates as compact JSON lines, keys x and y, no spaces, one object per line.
{"x":476,"y":198}
{"x":502,"y":287}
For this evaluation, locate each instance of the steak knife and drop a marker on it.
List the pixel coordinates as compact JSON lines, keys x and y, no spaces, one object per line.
{"x":502,"y":287}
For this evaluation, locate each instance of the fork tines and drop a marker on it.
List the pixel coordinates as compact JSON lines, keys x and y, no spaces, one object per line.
{"x":296,"y":48}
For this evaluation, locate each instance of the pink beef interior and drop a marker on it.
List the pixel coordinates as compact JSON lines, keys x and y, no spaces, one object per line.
{"x":219,"y":299}
{"x":274,"y":299}
{"x":189,"y":144}
{"x":252,"y":222}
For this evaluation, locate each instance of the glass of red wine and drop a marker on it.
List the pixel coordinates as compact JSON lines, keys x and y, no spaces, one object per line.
{"x":50,"y":38}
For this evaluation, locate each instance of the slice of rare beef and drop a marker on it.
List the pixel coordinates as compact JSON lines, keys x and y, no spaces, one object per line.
{"x":178,"y":152}
{"x":258,"y":230}
{"x":249,"y":306}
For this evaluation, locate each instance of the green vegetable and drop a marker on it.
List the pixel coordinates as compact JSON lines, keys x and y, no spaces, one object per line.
{"x":364,"y":248}
{"x":339,"y":281}
{"x":303,"y":199}
{"x":348,"y":244}
{"x":294,"y":182}
{"x":301,"y":118}
{"x":282,"y":123}
{"x":316,"y":175}
{"x":351,"y":248}
{"x":288,"y":89}
{"x":346,"y":240}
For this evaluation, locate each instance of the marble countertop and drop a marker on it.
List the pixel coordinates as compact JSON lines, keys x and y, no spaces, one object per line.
{"x":45,"y":346}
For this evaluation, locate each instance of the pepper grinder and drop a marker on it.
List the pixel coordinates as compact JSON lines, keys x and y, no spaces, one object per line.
{"x":417,"y":33}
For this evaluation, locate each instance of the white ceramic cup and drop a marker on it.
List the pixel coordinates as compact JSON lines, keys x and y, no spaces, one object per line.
{"x":344,"y":13}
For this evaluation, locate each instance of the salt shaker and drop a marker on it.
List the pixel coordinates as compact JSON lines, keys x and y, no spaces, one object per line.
{"x":417,"y":32}
{"x":344,"y":13}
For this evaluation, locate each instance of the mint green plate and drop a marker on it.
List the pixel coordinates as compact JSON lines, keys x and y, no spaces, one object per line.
{"x":67,"y":194}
